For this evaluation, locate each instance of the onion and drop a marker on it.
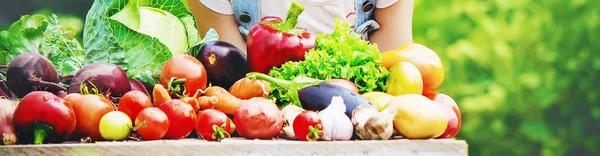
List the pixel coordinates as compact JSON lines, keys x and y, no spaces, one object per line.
{"x":336,"y":125}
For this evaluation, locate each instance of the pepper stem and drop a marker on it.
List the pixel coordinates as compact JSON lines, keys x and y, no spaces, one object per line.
{"x":292,"y":17}
{"x":40,"y":132}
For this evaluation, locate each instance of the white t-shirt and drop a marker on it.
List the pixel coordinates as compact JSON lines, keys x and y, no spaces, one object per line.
{"x":317,"y":16}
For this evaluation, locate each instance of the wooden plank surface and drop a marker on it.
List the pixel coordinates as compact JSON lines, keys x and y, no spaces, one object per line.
{"x":433,"y":147}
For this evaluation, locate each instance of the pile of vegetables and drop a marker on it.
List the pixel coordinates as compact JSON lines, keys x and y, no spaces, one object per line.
{"x":133,"y":80}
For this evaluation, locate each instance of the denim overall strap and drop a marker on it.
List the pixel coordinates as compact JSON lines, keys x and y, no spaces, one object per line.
{"x":364,"y":18}
{"x":247,"y":13}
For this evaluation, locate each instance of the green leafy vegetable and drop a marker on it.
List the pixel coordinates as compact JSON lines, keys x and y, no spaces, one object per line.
{"x":138,"y":35}
{"x":211,"y":35}
{"x":341,"y":54}
{"x":43,"y":35}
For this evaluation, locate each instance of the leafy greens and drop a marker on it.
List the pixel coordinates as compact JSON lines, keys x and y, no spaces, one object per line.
{"x":43,"y":35}
{"x":115,"y":32}
{"x":341,"y":54}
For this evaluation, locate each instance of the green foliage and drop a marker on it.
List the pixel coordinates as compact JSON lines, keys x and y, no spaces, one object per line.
{"x":524,"y":73}
{"x":44,"y":35}
{"x":110,"y":35}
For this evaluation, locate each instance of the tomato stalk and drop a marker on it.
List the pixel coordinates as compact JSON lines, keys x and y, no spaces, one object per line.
{"x":40,"y":132}
{"x":176,"y":87}
{"x":139,"y":126}
{"x":220,"y":132}
{"x":314,"y":133}
{"x":85,"y":90}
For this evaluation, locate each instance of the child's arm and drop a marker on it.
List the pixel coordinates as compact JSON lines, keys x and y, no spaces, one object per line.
{"x":396,"y":25}
{"x":225,"y":25}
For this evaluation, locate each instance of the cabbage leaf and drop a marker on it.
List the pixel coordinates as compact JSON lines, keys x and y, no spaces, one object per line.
{"x":112,"y":34}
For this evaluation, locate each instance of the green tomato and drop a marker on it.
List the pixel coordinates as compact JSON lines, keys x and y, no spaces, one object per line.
{"x":115,"y":125}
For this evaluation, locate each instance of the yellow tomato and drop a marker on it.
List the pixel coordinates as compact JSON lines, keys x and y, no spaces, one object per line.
{"x":404,"y":78}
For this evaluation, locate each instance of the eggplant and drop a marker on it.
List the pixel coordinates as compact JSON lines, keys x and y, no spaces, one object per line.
{"x":314,"y":94}
{"x":318,"y":97}
{"x":224,"y":63}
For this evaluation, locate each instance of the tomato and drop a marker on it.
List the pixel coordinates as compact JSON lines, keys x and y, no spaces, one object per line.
{"x":212,"y":125}
{"x":424,"y":58}
{"x":88,"y":110}
{"x":307,"y":126}
{"x":258,"y":118}
{"x":452,"y":111}
{"x":133,"y":102}
{"x":181,"y":117}
{"x":404,"y":78}
{"x":188,"y":67}
{"x":115,"y":125}
{"x":152,"y":123}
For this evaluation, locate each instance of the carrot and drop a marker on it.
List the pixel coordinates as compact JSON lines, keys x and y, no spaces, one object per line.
{"x":207,"y":102}
{"x":228,"y":103}
{"x":231,"y":127}
{"x":193,"y":100}
{"x":160,"y":95}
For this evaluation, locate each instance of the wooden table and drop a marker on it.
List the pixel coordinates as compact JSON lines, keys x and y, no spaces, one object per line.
{"x":445,"y":147}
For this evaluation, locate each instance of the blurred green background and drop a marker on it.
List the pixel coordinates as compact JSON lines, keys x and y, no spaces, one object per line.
{"x":525,"y":73}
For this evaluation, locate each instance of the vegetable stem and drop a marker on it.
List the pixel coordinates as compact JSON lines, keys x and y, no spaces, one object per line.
{"x":278,"y":82}
{"x":176,"y":87}
{"x":40,"y":132}
{"x":9,"y":139}
{"x":292,"y":87}
{"x":314,"y":133}
{"x":220,"y":132}
{"x":292,"y":17}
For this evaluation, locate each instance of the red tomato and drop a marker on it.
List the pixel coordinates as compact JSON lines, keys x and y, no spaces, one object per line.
{"x":307,"y":126}
{"x":88,"y":110}
{"x":188,"y":67}
{"x":452,"y":111}
{"x":181,"y":117}
{"x":212,"y":125}
{"x":133,"y":102}
{"x":156,"y":123}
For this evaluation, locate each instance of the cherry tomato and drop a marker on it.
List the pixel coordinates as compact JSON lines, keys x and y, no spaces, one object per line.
{"x":188,"y":67}
{"x":181,"y":117}
{"x":307,"y":126}
{"x":88,"y":110}
{"x":213,"y":125}
{"x":152,"y":123}
{"x":133,"y":102}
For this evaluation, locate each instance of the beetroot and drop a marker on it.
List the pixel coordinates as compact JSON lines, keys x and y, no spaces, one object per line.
{"x":140,"y":86}
{"x":32,"y":72}
{"x":101,"y":78}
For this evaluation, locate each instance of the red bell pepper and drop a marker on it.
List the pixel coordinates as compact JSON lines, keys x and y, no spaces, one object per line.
{"x":45,"y":115}
{"x":274,"y":42}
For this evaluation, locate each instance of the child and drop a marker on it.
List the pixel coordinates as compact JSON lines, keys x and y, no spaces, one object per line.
{"x":388,"y":23}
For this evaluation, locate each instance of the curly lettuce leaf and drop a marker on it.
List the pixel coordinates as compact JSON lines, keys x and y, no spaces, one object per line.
{"x":43,"y":35}
{"x":341,"y":54}
{"x":117,"y":41}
